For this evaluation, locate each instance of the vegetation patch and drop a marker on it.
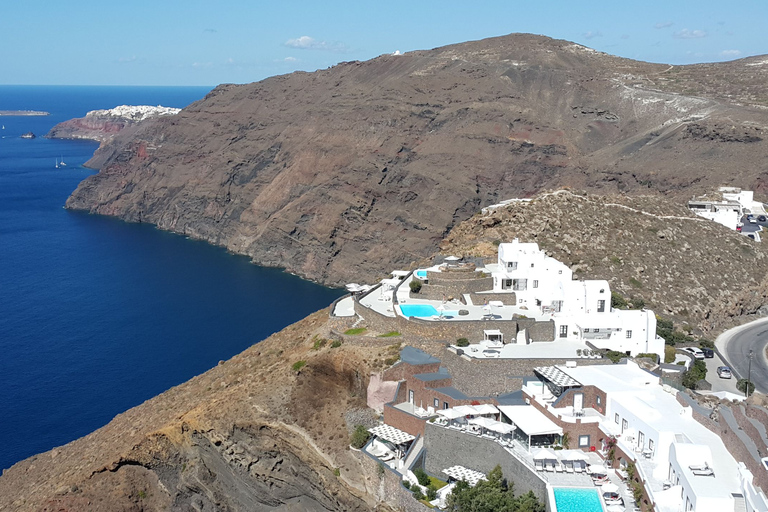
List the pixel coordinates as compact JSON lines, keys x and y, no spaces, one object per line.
{"x":298,"y":365}
{"x":355,"y":331}
{"x":697,"y":372}
{"x":635,"y":283}
{"x":336,"y":344}
{"x":318,"y":343}
{"x":741,"y":385}
{"x":492,"y":495}
{"x":390,"y":334}
{"x":462,"y":342}
{"x":359,"y":437}
{"x":669,"y":354}
{"x":415,"y":285}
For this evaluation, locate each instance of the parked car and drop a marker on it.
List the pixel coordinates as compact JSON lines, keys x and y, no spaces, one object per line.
{"x":723,"y":372}
{"x":761,"y":218}
{"x":694,"y":351}
{"x":708,"y":353}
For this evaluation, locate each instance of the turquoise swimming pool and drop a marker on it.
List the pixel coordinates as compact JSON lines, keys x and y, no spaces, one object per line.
{"x":570,"y":499}
{"x":421,"y":274}
{"x":423,"y":310}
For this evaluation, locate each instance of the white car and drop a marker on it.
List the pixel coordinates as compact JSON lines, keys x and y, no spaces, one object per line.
{"x":694,"y":351}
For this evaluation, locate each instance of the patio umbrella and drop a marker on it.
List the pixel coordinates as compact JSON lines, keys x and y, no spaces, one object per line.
{"x":466,"y":410}
{"x":544,"y":454}
{"x":486,"y":409}
{"x":609,"y":487}
{"x":451,"y":414}
{"x":573,"y":455}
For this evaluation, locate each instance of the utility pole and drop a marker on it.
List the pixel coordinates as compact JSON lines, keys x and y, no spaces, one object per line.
{"x":749,"y":374}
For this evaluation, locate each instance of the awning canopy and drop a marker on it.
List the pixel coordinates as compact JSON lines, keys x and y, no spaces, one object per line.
{"x":486,"y":409}
{"x":391,"y":434}
{"x":530,"y":420}
{"x":573,"y":455}
{"x":556,"y":376}
{"x":461,"y":473}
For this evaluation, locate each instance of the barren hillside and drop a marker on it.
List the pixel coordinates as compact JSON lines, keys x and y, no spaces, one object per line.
{"x":343,"y":173}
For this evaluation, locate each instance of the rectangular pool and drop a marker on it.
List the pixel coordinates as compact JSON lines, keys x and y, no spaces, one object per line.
{"x":572,"y":499}
{"x":421,"y":274}
{"x":423,"y":310}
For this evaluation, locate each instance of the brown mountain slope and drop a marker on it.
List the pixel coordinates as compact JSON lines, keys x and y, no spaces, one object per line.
{"x":649,"y":247}
{"x":344,"y":173}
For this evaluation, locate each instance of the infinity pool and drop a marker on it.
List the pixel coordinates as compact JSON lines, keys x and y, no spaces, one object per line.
{"x":570,"y":499}
{"x":423,"y":310}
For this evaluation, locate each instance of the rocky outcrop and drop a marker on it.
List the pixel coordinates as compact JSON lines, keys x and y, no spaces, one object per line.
{"x":342,"y":174}
{"x":103,"y":125}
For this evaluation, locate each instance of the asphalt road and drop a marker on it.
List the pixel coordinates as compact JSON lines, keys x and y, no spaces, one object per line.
{"x":735,"y":346}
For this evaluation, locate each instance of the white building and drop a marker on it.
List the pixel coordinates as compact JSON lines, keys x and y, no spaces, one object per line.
{"x":581,"y":309}
{"x":684,"y":466}
{"x":728,"y":212}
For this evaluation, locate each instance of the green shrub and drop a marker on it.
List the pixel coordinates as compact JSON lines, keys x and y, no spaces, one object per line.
{"x":336,"y":344}
{"x":421,"y":476}
{"x":359,"y":437}
{"x":319,"y":343}
{"x":417,"y":495}
{"x":336,"y":472}
{"x":648,"y":355}
{"x":391,"y":360}
{"x":705,"y":343}
{"x":615,"y":356}
{"x":298,"y":365}
{"x":638,"y":302}
{"x":462,"y":342}
{"x":697,"y":372}
{"x":415,"y":285}
{"x":431,"y":493}
{"x":618,"y":301}
{"x":741,"y":385}
{"x":389,"y":334}
{"x":669,"y":354}
{"x":356,"y":331}
{"x":407,"y":484}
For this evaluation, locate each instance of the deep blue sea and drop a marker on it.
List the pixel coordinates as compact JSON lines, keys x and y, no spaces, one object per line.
{"x":98,"y":315}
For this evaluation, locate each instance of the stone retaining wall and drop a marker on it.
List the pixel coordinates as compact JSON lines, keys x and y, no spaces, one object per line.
{"x":509,"y":299}
{"x":388,"y":487}
{"x":446,"y":448}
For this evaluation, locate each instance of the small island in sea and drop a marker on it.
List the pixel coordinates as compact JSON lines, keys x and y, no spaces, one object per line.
{"x":24,"y":113}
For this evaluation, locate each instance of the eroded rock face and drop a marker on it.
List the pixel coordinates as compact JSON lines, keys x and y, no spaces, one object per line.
{"x":342,"y":174}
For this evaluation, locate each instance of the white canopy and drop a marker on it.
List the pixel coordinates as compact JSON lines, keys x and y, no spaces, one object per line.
{"x":530,"y":420}
{"x":543,"y":454}
{"x":451,"y":414}
{"x":461,"y":473}
{"x":388,"y":284}
{"x":353,"y":287}
{"x":573,"y":455}
{"x":501,"y":428}
{"x":391,"y":434}
{"x":466,"y":410}
{"x":400,"y":273}
{"x":609,"y":487}
{"x":452,"y":258}
{"x":483,"y":422}
{"x":486,"y":409}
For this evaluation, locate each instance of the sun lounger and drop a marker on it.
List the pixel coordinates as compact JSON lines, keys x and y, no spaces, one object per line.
{"x":559,"y":468}
{"x":539,"y":465}
{"x":702,"y":467}
{"x":578,"y":469}
{"x":569,"y":469}
{"x":550,"y":467}
{"x":703,"y":472}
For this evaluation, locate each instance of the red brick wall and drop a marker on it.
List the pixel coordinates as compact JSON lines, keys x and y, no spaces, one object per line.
{"x":574,"y":430}
{"x":404,"y":421}
{"x":591,"y":394}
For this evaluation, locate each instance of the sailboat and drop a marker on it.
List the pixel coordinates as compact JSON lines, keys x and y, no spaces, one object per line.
{"x":61,"y":163}
{"x":57,"y":163}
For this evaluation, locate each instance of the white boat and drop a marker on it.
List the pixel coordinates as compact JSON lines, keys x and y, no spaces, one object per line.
{"x":61,"y":162}
{"x":57,"y":163}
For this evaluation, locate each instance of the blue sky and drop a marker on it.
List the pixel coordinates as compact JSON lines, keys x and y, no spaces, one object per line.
{"x":201,"y":42}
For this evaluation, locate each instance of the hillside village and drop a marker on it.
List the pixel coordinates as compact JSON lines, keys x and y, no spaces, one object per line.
{"x":577,"y":418}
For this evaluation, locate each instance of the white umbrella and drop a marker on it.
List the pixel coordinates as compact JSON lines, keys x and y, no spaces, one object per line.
{"x":609,"y":487}
{"x":466,"y":410}
{"x":486,"y":409}
{"x":451,"y":414}
{"x":544,"y":454}
{"x":573,"y":455}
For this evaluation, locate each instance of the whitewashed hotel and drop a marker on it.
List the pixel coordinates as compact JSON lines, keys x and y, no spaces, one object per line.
{"x":581,"y":309}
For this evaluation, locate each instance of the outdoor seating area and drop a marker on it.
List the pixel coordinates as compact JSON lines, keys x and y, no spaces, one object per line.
{"x":470,"y":476}
{"x":389,"y":443}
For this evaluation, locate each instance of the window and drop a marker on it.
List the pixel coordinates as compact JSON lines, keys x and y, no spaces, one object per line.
{"x":535,"y":283}
{"x":616,"y":418}
{"x":531,"y":265}
{"x":507,"y":283}
{"x":559,"y":271}
{"x":583,"y":441}
{"x":586,"y":329}
{"x":437,"y":403}
{"x":600,"y":306}
{"x":563,"y":331}
{"x":445,"y":405}
{"x":624,"y":425}
{"x":520,"y":284}
{"x":629,"y":333}
{"x":599,"y":399}
{"x":602,"y":290}
{"x":650,"y":444}
{"x":641,"y":440}
{"x":512,"y":265}
{"x":596,"y":330}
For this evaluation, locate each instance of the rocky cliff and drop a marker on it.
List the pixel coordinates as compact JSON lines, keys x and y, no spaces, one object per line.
{"x":345,"y":173}
{"x":103,"y":125}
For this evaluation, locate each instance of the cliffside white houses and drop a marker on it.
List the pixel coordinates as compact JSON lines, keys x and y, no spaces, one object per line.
{"x":734,"y":205}
{"x":581,"y":309}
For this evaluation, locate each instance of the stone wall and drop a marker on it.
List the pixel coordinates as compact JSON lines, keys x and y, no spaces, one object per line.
{"x":445,"y":448}
{"x":405,"y":371}
{"x":387,"y":486}
{"x":450,"y":330}
{"x":509,"y":299}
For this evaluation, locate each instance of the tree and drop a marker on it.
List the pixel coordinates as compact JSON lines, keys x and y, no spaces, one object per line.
{"x":359,"y":437}
{"x":741,"y":385}
{"x":415,"y":286}
{"x":491,"y":495}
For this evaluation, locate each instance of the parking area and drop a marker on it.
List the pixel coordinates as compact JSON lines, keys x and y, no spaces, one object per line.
{"x":719,"y":384}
